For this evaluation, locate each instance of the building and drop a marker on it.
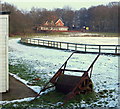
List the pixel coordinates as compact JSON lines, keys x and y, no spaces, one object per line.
{"x":4,"y":32}
{"x":57,"y":26}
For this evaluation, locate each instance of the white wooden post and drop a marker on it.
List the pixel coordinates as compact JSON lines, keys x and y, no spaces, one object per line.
{"x":4,"y":32}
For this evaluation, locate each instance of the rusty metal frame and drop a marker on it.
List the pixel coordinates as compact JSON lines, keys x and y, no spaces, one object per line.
{"x":61,"y":70}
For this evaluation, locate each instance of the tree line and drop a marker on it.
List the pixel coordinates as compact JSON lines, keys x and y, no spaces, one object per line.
{"x":102,"y":18}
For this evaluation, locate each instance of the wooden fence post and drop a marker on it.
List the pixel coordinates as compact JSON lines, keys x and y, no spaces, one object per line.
{"x":85,"y":48}
{"x":67,"y":46}
{"x":99,"y":48}
{"x":57,"y":44}
{"x":48,"y":43}
{"x":60,"y":45}
{"x":116,"y":50}
{"x":38,"y":42}
{"x":76,"y":47}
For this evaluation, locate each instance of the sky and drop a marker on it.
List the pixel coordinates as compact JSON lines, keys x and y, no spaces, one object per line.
{"x":51,"y":4}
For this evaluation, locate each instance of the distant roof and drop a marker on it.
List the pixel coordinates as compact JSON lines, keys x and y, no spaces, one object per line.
{"x":4,"y":12}
{"x":57,"y":22}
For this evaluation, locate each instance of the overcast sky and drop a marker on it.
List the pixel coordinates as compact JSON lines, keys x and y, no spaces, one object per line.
{"x":51,"y":4}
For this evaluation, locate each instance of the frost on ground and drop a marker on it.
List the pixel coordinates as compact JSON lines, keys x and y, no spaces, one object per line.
{"x":19,"y":100}
{"x":45,"y":62}
{"x":85,"y":40}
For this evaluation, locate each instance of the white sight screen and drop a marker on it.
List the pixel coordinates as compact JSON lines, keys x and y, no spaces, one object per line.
{"x":4,"y":80}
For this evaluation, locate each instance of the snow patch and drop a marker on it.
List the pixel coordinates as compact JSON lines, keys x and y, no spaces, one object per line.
{"x":19,"y":100}
{"x":47,"y":61}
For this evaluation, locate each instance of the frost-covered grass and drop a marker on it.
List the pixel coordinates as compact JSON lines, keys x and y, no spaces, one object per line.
{"x":24,"y":71}
{"x":85,"y":40}
{"x":30,"y":62}
{"x":53,"y":100}
{"x":109,"y":34}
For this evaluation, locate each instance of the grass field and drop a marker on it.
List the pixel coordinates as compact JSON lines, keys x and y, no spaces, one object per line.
{"x":64,"y":34}
{"x":36,"y":62}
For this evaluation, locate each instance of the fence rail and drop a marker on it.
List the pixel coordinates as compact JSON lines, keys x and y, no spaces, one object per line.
{"x":85,"y":48}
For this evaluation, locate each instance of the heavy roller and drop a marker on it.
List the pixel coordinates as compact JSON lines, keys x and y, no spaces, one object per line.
{"x":69,"y":84}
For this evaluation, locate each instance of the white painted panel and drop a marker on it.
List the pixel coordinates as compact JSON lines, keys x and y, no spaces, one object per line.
{"x":4,"y":77}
